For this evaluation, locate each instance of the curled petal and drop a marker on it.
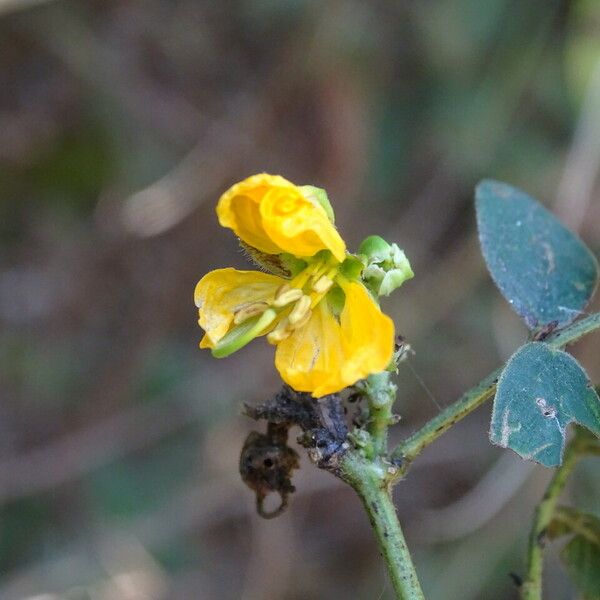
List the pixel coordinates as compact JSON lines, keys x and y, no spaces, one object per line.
{"x":273,"y":215}
{"x":222,"y":293}
{"x":239,"y":210}
{"x":299,"y":225}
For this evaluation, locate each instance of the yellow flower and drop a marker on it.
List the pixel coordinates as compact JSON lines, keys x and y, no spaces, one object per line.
{"x":328,"y":330}
{"x":269,"y":213}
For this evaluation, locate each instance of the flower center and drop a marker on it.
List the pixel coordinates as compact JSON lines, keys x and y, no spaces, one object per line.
{"x":303,"y":294}
{"x":290,"y":308}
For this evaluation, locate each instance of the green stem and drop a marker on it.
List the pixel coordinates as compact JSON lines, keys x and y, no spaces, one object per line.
{"x":434,"y":428}
{"x":532,"y":587}
{"x":410,"y":448}
{"x":368,"y":478}
{"x":380,"y":393}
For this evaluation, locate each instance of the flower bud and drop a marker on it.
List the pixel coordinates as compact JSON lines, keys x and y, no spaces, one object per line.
{"x":386,"y":265}
{"x":374,"y":249}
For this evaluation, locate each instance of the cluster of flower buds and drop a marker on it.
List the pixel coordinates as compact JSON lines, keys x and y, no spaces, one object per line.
{"x":386,"y":265}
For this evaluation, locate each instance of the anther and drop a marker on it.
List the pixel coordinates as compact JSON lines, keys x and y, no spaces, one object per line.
{"x":286,"y":294}
{"x":280,"y":333}
{"x":300,"y":310}
{"x":282,"y":289}
{"x":249,"y":311}
{"x":323,"y":284}
{"x":302,"y":321}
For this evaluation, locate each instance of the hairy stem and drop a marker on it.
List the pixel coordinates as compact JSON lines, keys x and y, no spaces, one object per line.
{"x":532,"y":587}
{"x":410,"y":448}
{"x":380,"y":393}
{"x":434,"y":428}
{"x":368,"y":478}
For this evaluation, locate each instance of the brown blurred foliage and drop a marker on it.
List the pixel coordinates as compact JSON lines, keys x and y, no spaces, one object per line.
{"x":121,"y":122}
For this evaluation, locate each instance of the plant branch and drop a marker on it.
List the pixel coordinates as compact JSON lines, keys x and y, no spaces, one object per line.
{"x":368,"y":478}
{"x":325,"y":436}
{"x":532,"y":587}
{"x":410,"y":448}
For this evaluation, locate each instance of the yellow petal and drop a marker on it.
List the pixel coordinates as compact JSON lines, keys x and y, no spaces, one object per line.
{"x":272,"y":214}
{"x":239,"y":210}
{"x":367,"y":334}
{"x":299,"y":225}
{"x":219,"y":294}
{"x":325,"y":356}
{"x":311,"y":359}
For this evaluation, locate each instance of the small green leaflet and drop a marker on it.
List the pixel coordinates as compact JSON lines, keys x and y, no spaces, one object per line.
{"x":581,"y":555}
{"x":540,"y":392}
{"x":544,"y":270}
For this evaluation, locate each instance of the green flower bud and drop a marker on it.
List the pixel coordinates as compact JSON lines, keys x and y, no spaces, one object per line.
{"x":374,"y":249}
{"x":386,"y":265}
{"x":320,"y":195}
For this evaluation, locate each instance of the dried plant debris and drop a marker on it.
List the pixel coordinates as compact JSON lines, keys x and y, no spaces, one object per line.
{"x":267,"y":462}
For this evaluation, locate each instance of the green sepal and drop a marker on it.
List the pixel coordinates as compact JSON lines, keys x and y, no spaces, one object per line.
{"x":242,"y":334}
{"x":320,"y":195}
{"x":352,"y":268}
{"x":336,"y":298}
{"x":394,"y":279}
{"x":374,"y":248}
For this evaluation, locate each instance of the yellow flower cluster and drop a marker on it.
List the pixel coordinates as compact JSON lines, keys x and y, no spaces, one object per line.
{"x":328,"y":330}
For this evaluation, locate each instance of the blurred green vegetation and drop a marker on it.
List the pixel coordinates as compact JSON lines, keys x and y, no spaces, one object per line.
{"x":121,"y":122}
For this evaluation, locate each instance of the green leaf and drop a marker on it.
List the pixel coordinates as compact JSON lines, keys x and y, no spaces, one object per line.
{"x":545,"y":271}
{"x":582,"y":560}
{"x":581,"y":556}
{"x":540,"y":392}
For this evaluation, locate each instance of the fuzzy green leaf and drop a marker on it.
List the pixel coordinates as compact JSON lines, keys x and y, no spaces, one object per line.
{"x":540,"y":392}
{"x":545,"y":271}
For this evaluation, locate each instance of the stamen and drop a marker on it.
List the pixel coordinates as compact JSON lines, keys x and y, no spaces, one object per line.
{"x":286,"y":294}
{"x":249,"y":311}
{"x":302,"y":321}
{"x":300,"y":310}
{"x":280,"y":333}
{"x":323,"y":268}
{"x":282,"y":289}
{"x":300,"y":280}
{"x":322,"y":285}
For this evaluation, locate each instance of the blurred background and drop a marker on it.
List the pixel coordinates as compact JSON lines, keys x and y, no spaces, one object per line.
{"x":121,"y":123}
